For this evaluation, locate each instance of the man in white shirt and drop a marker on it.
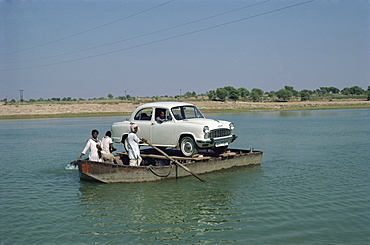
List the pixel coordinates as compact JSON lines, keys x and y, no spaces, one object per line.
{"x":133,"y":146}
{"x":94,"y":145}
{"x":107,"y":148}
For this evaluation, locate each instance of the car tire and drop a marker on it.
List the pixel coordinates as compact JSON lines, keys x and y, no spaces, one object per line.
{"x":220,"y":150}
{"x":188,"y":147}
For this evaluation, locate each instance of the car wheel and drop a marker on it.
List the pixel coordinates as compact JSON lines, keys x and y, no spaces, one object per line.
{"x":220,"y":150}
{"x":188,"y":147}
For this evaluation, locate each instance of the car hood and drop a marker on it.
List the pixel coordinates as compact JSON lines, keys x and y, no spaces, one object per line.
{"x":211,"y":123}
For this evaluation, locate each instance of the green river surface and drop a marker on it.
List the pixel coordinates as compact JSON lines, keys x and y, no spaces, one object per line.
{"x":312,"y":187}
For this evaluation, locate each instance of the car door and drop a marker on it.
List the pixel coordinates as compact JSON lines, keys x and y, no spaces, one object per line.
{"x":162,"y":133}
{"x":143,"y":120}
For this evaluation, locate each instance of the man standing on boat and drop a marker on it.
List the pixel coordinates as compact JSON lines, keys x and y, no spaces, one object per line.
{"x":133,"y":146}
{"x":94,"y":145}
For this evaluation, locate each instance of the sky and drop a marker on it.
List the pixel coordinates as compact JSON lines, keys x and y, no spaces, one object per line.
{"x":90,"y":48}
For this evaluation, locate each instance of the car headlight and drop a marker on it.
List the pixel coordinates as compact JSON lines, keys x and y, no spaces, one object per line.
{"x":231,"y":126}
{"x":206,"y":132}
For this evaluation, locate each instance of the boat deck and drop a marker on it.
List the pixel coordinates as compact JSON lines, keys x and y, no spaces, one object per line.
{"x":149,"y":155}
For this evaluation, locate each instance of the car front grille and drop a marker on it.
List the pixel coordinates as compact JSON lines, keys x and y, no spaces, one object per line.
{"x":219,"y":133}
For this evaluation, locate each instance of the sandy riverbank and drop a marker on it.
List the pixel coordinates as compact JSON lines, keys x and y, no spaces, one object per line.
{"x":113,"y":107}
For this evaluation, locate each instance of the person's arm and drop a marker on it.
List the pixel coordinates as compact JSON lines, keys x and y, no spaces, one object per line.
{"x":85,"y":149}
{"x":160,"y":120}
{"x":142,"y":140}
{"x":111,"y":148}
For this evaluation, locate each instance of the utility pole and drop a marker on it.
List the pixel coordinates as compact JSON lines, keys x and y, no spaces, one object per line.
{"x":21,"y":95}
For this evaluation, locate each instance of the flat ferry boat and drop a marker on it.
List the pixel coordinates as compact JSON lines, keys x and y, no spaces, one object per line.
{"x":169,"y":165}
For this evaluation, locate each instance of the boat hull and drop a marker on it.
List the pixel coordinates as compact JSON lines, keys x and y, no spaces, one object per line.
{"x":205,"y":163}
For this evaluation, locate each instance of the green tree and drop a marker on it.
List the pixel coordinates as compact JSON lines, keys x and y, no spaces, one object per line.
{"x":243,"y":92}
{"x":271,"y":94}
{"x":292,"y":90}
{"x":333,"y":90}
{"x":305,"y":95}
{"x":346,"y":91}
{"x":110,"y":96}
{"x":229,"y":89}
{"x":211,"y":95}
{"x":234,"y":95}
{"x":190,"y":94}
{"x":308,"y":91}
{"x":66,"y":99}
{"x":256,"y":94}
{"x":284,"y":94}
{"x":221,"y":94}
{"x":356,"y":90}
{"x":324,"y":90}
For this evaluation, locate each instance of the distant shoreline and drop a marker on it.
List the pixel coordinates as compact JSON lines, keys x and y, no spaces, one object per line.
{"x":119,"y":108}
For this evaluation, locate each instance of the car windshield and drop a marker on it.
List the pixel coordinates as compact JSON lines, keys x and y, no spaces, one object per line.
{"x":186,"y":112}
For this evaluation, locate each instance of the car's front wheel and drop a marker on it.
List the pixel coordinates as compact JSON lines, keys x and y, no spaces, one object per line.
{"x":188,"y":147}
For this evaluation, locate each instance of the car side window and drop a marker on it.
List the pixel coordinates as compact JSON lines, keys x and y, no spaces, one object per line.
{"x":162,"y":115}
{"x":144,"y":114}
{"x":176,"y":111}
{"x":192,"y":112}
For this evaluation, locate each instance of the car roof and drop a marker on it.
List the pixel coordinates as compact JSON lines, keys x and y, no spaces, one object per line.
{"x":166,"y":104}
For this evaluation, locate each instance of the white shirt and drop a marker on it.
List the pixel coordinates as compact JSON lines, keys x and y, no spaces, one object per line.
{"x":105,"y":142}
{"x":91,"y":144}
{"x":133,"y":146}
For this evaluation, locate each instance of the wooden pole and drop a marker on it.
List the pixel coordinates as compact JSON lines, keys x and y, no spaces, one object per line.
{"x":177,"y":162}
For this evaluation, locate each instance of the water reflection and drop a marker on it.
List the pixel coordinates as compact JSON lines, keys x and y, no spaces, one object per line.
{"x":171,"y":210}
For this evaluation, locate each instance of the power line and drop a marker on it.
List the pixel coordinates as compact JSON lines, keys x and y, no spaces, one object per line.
{"x":164,"y":39}
{"x":89,"y":30}
{"x":93,"y":17}
{"x":74,"y":24}
{"x":139,"y":36}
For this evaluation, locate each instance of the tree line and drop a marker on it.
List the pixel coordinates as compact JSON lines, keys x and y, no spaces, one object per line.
{"x":285,"y":94}
{"x":238,"y":94}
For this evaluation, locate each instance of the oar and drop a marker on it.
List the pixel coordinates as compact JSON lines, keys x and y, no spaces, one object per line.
{"x":181,"y":165}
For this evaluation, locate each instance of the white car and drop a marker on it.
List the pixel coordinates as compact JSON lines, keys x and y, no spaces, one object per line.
{"x":182,"y":125}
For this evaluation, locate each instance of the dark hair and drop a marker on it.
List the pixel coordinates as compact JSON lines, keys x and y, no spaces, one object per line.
{"x":94,"y":131}
{"x":108,"y":133}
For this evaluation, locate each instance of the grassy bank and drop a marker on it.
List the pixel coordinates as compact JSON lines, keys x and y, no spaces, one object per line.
{"x":114,"y":108}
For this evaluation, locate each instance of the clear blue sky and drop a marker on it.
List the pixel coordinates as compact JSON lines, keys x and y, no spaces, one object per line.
{"x":87,"y":49}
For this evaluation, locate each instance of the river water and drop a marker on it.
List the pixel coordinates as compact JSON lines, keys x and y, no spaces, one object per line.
{"x":312,"y":186}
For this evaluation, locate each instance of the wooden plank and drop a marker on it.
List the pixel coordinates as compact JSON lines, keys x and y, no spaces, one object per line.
{"x":174,"y":157}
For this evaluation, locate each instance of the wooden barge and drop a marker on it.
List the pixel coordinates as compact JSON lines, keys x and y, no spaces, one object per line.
{"x":158,"y":167}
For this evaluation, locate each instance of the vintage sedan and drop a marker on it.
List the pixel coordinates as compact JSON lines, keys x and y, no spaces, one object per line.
{"x":176,"y":124}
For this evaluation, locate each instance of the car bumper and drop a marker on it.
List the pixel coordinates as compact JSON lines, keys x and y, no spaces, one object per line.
{"x":212,"y":141}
